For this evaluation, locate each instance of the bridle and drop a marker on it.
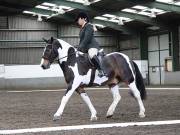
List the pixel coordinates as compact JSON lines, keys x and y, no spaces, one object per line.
{"x":57,"y":52}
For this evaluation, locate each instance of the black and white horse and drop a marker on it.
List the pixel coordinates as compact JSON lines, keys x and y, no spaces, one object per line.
{"x":79,"y":73}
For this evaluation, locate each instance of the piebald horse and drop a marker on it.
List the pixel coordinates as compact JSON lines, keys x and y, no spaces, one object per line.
{"x":79,"y":73}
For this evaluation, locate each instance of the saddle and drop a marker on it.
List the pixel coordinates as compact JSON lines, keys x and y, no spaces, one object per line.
{"x":84,"y":59}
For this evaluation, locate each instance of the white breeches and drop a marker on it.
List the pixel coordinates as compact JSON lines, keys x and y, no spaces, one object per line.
{"x":92,"y":52}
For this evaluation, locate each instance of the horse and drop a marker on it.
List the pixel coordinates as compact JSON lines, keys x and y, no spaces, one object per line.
{"x":79,"y":73}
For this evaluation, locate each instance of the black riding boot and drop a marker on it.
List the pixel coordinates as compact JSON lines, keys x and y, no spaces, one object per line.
{"x":98,"y":65}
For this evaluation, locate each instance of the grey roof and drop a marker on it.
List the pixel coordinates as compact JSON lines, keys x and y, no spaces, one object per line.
{"x":122,"y":15}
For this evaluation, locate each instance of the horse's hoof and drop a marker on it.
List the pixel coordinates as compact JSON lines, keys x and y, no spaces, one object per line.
{"x":94,"y":118}
{"x":142,"y":115}
{"x":55,"y":118}
{"x":109,"y":116}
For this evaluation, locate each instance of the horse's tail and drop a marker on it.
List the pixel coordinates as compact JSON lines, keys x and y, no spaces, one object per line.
{"x":139,"y":82}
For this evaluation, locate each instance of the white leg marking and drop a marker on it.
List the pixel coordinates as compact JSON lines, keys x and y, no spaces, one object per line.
{"x":65,"y":98}
{"x":116,"y":99}
{"x":136,"y":93}
{"x":87,"y":100}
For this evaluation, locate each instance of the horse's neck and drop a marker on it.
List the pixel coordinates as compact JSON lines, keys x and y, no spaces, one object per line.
{"x":63,"y":52}
{"x":65,"y":45}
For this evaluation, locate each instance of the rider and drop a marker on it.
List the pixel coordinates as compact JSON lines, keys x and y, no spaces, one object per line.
{"x":88,"y":43}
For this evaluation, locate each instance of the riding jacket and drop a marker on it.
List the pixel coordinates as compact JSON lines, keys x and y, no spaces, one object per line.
{"x":87,"y":39}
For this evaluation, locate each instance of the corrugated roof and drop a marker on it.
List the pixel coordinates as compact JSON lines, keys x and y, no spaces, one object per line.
{"x":105,"y":13}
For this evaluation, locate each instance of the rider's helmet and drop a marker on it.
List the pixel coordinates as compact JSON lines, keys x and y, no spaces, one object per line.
{"x":82,"y":15}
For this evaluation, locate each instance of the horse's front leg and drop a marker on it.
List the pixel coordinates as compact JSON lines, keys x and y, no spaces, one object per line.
{"x":71,"y":88}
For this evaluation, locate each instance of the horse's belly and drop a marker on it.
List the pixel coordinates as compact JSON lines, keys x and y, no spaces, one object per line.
{"x":99,"y":80}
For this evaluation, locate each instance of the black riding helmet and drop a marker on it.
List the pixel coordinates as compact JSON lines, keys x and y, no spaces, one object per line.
{"x":82,"y":15}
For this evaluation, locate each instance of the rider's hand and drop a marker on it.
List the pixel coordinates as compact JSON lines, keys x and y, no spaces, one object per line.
{"x":78,"y":48}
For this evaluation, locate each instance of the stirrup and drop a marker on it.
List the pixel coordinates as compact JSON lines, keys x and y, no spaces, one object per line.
{"x":101,"y":73}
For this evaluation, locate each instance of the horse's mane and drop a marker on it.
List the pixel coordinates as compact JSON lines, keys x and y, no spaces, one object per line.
{"x":64,"y":43}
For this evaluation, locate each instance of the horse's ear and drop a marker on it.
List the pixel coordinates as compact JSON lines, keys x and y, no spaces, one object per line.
{"x":45,"y":40}
{"x":52,"y":39}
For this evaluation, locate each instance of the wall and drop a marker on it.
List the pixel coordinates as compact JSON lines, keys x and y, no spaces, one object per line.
{"x":179,"y":44}
{"x":129,"y":45}
{"x":21,"y":38}
{"x":21,"y":42}
{"x":31,"y":77}
{"x":164,"y":44}
{"x":107,"y":40}
{"x":172,"y":78}
{"x":158,"y":51}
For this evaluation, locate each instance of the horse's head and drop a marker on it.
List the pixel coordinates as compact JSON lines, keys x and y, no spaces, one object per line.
{"x":50,"y":52}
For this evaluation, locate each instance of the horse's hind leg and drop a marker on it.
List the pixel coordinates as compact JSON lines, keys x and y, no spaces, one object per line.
{"x":137,"y":96}
{"x":87,"y":100}
{"x":116,"y":99}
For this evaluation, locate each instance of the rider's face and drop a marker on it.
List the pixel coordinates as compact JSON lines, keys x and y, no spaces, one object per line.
{"x":81,"y":21}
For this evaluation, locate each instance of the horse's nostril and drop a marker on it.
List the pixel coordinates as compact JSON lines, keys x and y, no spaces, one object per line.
{"x":43,"y":66}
